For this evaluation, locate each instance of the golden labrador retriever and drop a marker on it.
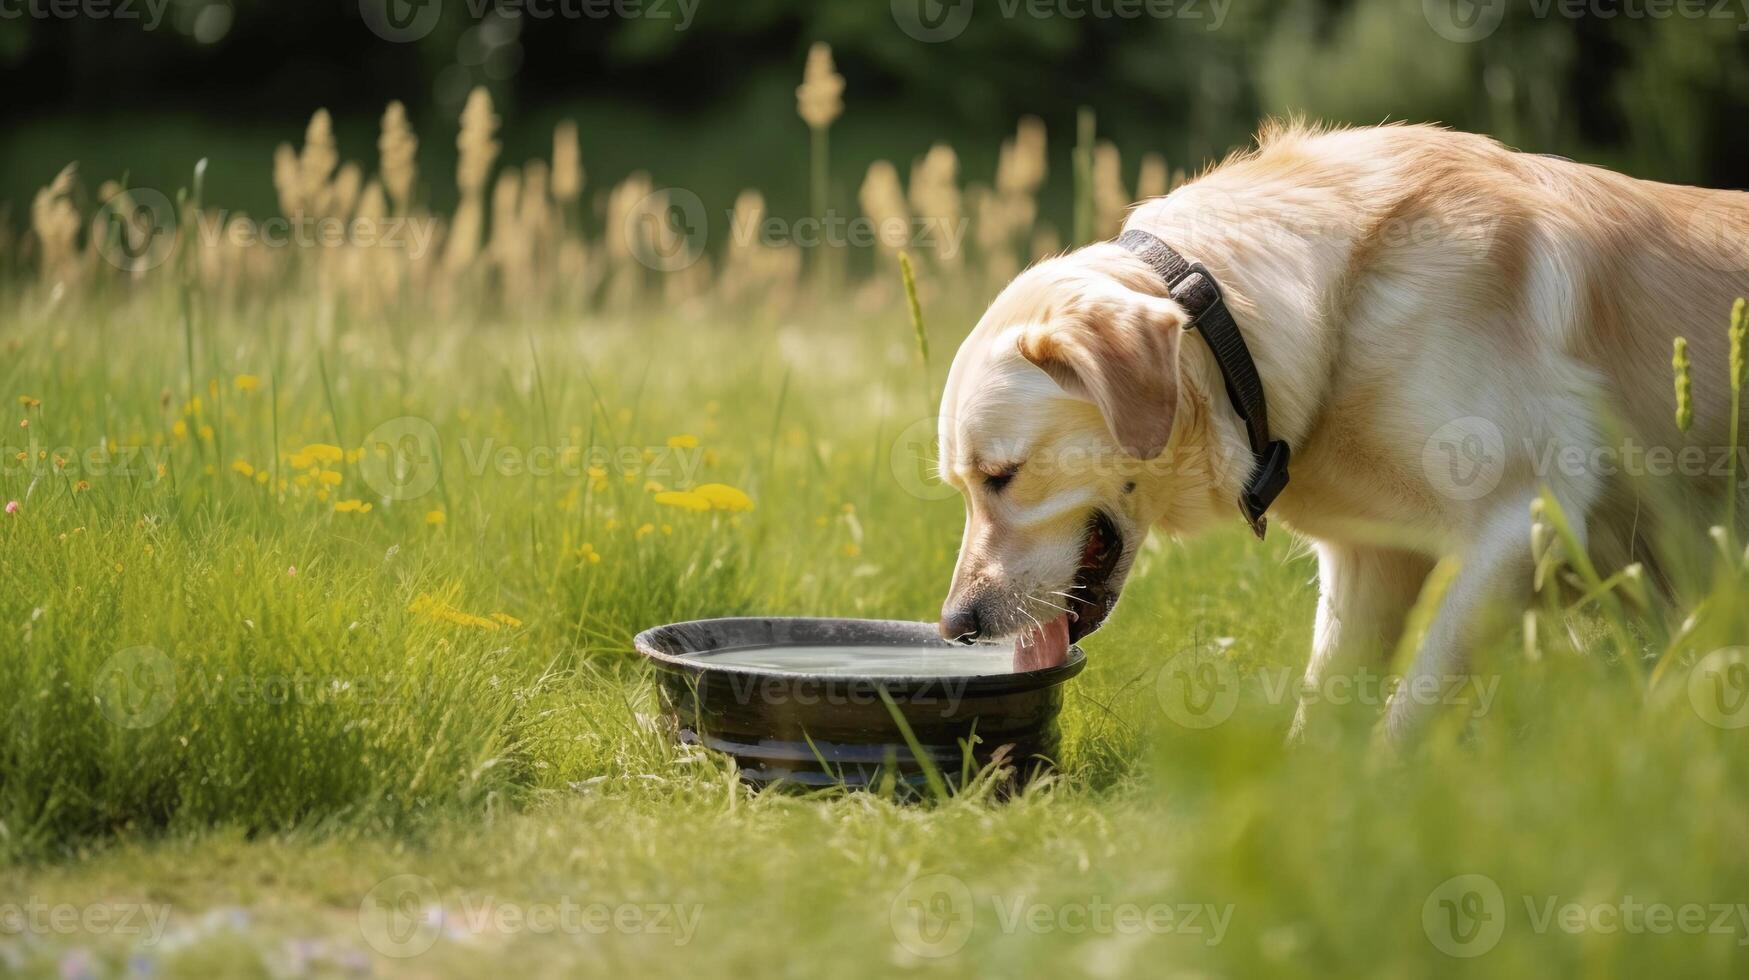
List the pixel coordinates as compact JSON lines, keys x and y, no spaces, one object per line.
{"x":1441,"y":327}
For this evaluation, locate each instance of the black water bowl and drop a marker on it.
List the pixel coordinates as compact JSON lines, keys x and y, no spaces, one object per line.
{"x":800,"y":700}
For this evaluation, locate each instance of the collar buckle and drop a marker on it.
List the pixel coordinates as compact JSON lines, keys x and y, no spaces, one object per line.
{"x":1195,"y":289}
{"x":1267,"y":480}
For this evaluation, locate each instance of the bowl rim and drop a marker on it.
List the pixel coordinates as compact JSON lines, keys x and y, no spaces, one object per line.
{"x":656,"y":645}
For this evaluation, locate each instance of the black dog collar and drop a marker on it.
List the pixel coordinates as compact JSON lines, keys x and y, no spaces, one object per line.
{"x":1193,"y":288}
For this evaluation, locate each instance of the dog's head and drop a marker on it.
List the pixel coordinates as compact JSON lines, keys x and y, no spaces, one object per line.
{"x":1058,"y":428}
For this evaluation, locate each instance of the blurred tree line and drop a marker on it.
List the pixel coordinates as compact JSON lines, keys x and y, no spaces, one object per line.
{"x":711,"y":105}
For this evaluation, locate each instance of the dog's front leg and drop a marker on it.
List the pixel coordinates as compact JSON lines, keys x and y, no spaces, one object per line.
{"x":1496,"y":571}
{"x":1364,"y":596}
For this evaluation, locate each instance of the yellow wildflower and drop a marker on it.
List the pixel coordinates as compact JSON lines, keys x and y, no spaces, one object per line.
{"x":852,"y":549}
{"x":301,"y":461}
{"x":589,"y":554}
{"x":348,"y":506}
{"x":329,"y":478}
{"x":261,"y":477}
{"x":29,"y":402}
{"x":206,"y":432}
{"x":81,"y":485}
{"x":180,"y":429}
{"x":683,"y":441}
{"x":242,"y":468}
{"x":644,"y":531}
{"x":429,"y":607}
{"x":684,"y":499}
{"x":435,"y":517}
{"x":246,"y":383}
{"x":724,"y":497}
{"x":667,"y":529}
{"x":324,"y":452}
{"x":651,"y":486}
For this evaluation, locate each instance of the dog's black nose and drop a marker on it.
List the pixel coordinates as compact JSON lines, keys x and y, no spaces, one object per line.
{"x":960,"y":625}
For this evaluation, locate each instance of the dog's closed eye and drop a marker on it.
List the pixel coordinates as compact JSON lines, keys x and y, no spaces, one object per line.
{"x":996,"y":481}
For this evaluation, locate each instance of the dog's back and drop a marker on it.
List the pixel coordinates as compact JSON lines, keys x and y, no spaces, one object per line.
{"x":1456,"y":277}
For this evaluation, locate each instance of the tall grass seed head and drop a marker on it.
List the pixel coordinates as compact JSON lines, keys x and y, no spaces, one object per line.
{"x":567,"y":163}
{"x":1684,"y":385}
{"x":1739,"y":325}
{"x":475,"y":146}
{"x":397,"y":149}
{"x":820,"y":97}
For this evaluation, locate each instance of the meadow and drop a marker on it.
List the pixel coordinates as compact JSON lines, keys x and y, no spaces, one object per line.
{"x":322,"y":562}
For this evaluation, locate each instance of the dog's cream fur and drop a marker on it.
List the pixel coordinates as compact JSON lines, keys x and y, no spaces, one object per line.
{"x":1396,"y":285}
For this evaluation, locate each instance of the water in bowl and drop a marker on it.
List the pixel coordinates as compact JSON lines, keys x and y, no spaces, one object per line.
{"x":868,"y":660}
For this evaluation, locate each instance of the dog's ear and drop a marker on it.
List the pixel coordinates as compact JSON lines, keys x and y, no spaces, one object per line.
{"x":1117,"y":348}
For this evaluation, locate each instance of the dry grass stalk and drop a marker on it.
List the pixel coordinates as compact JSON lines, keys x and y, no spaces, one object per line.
{"x":935,"y":198}
{"x":567,"y":164}
{"x":55,"y":221}
{"x":1153,"y":180}
{"x":820,"y":97}
{"x":476,"y":148}
{"x":1022,"y":165}
{"x":316,"y":165}
{"x":883,"y":201}
{"x":397,"y":151}
{"x":1110,"y":198}
{"x":288,"y":181}
{"x":509,"y":246}
{"x":1005,"y":217}
{"x":476,"y":151}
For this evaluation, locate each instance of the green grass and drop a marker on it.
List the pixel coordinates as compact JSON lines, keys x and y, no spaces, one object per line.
{"x":324,"y":738}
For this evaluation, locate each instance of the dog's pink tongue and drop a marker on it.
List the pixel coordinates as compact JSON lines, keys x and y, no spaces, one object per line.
{"x":1042,"y":646}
